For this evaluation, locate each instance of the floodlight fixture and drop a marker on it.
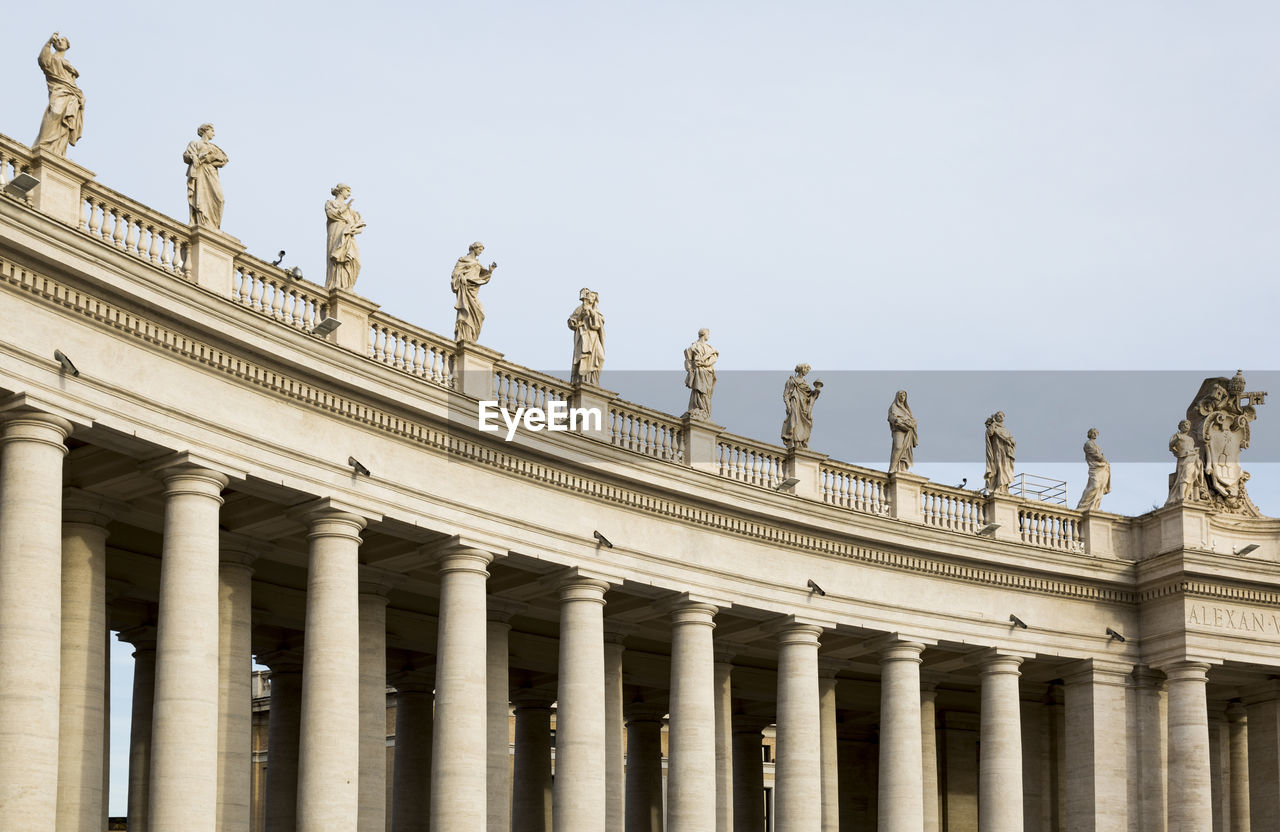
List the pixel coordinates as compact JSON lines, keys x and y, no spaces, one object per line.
{"x":988,"y":530}
{"x":788,"y":484}
{"x":813,"y":587}
{"x":1112,"y":634}
{"x":279,"y":259}
{"x":604,"y":541}
{"x":21,"y":185}
{"x":67,"y":366}
{"x":1017,"y":622}
{"x":360,"y":469}
{"x":295,"y":273}
{"x":326,"y":326}
{"x":1244,"y":550}
{"x":963,"y":482}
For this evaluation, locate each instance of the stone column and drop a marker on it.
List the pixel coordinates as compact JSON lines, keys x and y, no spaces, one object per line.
{"x":798,"y":770}
{"x":830,"y":763}
{"x":1096,"y":740}
{"x":722,"y":673}
{"x":748,"y":773}
{"x":184,"y":732}
{"x":1263,"y":708}
{"x":83,"y":688}
{"x":644,"y":767}
{"x":1000,"y":748}
{"x":531,"y":800}
{"x":691,"y":740}
{"x":1149,"y":692}
{"x":372,"y":792}
{"x":31,"y":451}
{"x":459,"y":759}
{"x":143,"y":639}
{"x":614,"y":776}
{"x":1238,"y":760}
{"x":929,"y":756}
{"x":579,"y":788}
{"x":901,"y":803}
{"x":411,"y":775}
{"x":1190,"y":800}
{"x":498,"y":722}
{"x":284,"y":724}
{"x":235,"y":697}
{"x":329,"y":741}
{"x":1219,"y":763}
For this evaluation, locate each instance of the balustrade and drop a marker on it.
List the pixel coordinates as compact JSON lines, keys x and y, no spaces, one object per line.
{"x":746,"y":461}
{"x":953,"y":509}
{"x":1051,"y":529}
{"x":646,"y":432}
{"x":857,"y":488}
{"x":135,"y":229}
{"x":14,"y":159}
{"x":515,"y":387}
{"x":411,"y":350}
{"x":277,"y":294}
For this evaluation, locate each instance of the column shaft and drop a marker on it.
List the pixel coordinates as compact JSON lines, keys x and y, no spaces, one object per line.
{"x":614,"y":776}
{"x":748,"y":776}
{"x":723,"y":684}
{"x":235,"y":698}
{"x":1263,"y":711}
{"x":1190,"y":799}
{"x":329,"y":740}
{"x":498,"y":728}
{"x":691,"y":740}
{"x":373,"y":710}
{"x":411,"y":775}
{"x":644,"y":771}
{"x":184,"y":733}
{"x":141,"y":705}
{"x":531,"y":801}
{"x":929,"y":759}
{"x":82,"y":694}
{"x":1238,"y":759}
{"x":830,"y":764}
{"x":284,"y":725}
{"x":1000,"y":754}
{"x":798,"y":769}
{"x":31,"y":452}
{"x":901,"y":803}
{"x":579,"y":789}
{"x":459,"y":759}
{"x":1149,"y":692}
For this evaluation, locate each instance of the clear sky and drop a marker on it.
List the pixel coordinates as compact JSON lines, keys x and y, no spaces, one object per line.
{"x":859,"y":185}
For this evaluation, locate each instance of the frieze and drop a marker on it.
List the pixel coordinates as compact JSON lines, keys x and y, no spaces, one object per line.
{"x":1237,"y":619}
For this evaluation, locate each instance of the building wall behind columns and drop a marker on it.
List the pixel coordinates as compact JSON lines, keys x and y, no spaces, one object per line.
{"x":859,"y":756}
{"x":1035,"y":759}
{"x":958,"y":740}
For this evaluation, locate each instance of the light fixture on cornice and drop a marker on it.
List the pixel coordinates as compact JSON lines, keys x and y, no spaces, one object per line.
{"x":988,"y":530}
{"x":21,"y":185}
{"x":1112,"y":634}
{"x":1244,"y":550}
{"x":1017,"y":622}
{"x":279,"y":259}
{"x":326,"y":326}
{"x":813,"y":587}
{"x":604,"y":541}
{"x":359,"y":468}
{"x":789,"y":484}
{"x":65,"y":362}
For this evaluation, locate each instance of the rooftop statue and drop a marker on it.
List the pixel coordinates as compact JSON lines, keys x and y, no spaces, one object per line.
{"x":1219,"y":419}
{"x":1187,"y":483}
{"x":700,"y":376}
{"x":64,"y":119}
{"x":588,"y":340}
{"x":204,"y":187}
{"x":468,"y":277}
{"x":799,"y":397}
{"x":903,"y":427}
{"x":342,"y":265}
{"x":1000,"y":448}
{"x":1099,"y":474}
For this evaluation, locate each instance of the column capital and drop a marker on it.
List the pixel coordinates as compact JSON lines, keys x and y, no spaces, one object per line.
{"x":995,"y":661}
{"x":413,"y":680}
{"x":375,"y":582}
{"x":828,"y":668}
{"x":899,"y":647}
{"x":751,"y":724}
{"x":1186,"y":671}
{"x":501,"y":611}
{"x":240,"y":550}
{"x":27,"y":408}
{"x":798,"y":632}
{"x":645,"y":712}
{"x":1098,"y":671}
{"x":1236,"y":711}
{"x":193,"y":466}
{"x":89,"y":509}
{"x":533,"y":699}
{"x":615,"y":633}
{"x":281,"y":660}
{"x":1149,"y":678}
{"x":34,"y":426}
{"x":688,"y":612}
{"x":142,"y":637}
{"x":586,"y":576}
{"x":694,"y":600}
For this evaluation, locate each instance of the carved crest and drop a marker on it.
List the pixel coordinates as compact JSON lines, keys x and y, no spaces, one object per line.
{"x":1220,"y":415}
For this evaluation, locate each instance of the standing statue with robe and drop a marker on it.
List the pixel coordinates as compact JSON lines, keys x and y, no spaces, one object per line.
{"x":468,"y":277}
{"x":588,"y":339}
{"x":64,"y":119}
{"x":204,"y":186}
{"x":1099,"y":474}
{"x":700,"y":376}
{"x":1000,"y":448}
{"x":798,"y":397}
{"x":903,"y":427}
{"x":342,"y":266}
{"x":1188,"y":484}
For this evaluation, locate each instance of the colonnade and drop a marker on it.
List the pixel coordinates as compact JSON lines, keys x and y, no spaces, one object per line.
{"x":190,"y":754}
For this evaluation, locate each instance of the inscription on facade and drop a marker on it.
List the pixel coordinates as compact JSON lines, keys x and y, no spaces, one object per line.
{"x":1238,"y":619}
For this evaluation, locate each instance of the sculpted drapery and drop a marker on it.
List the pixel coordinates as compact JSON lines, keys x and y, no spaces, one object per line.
{"x":342,"y":266}
{"x":587,"y":324}
{"x":700,"y":375}
{"x":1099,"y":474}
{"x":468,"y":276}
{"x":1000,"y":449}
{"x":1188,"y":478}
{"x":798,"y":398}
{"x":204,"y":186}
{"x":64,"y":119}
{"x":903,"y":427}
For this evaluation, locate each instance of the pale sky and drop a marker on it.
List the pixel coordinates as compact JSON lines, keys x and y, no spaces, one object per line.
{"x":858,"y":185}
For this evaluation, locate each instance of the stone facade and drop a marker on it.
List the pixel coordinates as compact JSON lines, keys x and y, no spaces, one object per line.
{"x":214,"y":470}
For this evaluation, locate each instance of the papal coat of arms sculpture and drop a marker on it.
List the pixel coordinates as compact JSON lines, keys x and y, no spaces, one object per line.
{"x":1208,"y":446}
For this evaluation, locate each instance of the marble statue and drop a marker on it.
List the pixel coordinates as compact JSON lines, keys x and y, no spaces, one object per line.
{"x":1187,"y":483}
{"x":64,"y":119}
{"x":1000,"y":448}
{"x":588,"y":339}
{"x":700,"y":375}
{"x":1219,"y":418}
{"x":1099,"y":474}
{"x":204,"y":187}
{"x":798,"y":397}
{"x":903,"y":427}
{"x":468,"y":277}
{"x":342,"y":266}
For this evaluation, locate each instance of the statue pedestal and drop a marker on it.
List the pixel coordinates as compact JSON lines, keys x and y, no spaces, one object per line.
{"x":904,"y":496}
{"x":1002,"y":508}
{"x":591,"y":397}
{"x":211,"y":259}
{"x":473,"y":371}
{"x":58,"y":194}
{"x":1097,"y":531}
{"x":701,"y":440}
{"x":352,"y":311}
{"x":1185,"y":526}
{"x":806,"y":466}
